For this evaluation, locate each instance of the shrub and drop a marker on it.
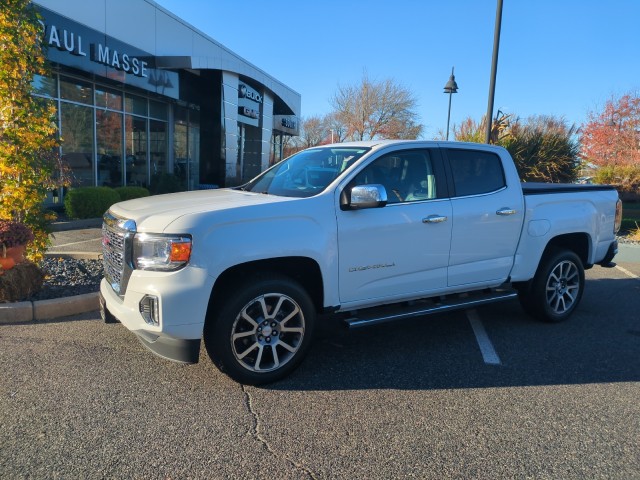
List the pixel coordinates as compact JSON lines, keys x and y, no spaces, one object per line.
{"x":89,"y":202}
{"x":165,"y":183}
{"x":129,"y":193}
{"x":626,"y":179}
{"x":13,"y":234}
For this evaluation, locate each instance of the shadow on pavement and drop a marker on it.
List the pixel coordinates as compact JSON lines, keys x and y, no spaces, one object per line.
{"x":599,"y":344}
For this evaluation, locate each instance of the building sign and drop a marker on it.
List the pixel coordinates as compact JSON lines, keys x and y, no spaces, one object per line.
{"x":286,"y":124}
{"x":249,"y":112}
{"x":123,"y":61}
{"x":64,"y":40}
{"x":246,"y":92}
{"x":249,"y":105}
{"x":75,"y":45}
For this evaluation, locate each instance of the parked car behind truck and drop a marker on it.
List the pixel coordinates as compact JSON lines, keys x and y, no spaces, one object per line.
{"x":370,"y":231}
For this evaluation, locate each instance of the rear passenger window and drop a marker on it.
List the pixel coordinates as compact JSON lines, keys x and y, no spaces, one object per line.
{"x":475,"y":172}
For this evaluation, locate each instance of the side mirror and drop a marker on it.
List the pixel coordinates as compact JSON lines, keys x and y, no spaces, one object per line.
{"x":364,"y":196}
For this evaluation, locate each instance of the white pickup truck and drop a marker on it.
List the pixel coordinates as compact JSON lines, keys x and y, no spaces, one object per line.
{"x":370,"y":231}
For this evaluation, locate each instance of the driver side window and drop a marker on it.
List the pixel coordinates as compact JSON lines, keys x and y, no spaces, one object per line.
{"x":407,"y":176}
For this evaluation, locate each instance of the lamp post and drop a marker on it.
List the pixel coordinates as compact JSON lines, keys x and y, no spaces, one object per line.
{"x":494,"y":69}
{"x":451,"y":87}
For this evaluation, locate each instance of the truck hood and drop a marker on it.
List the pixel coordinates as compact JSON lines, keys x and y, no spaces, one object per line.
{"x":155,"y":213}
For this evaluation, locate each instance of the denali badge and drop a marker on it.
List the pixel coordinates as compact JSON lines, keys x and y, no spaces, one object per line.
{"x":371,"y":267}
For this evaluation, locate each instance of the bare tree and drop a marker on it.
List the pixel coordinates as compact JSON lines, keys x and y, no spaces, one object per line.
{"x":313,"y":131}
{"x":376,"y":109}
{"x":337,"y":129}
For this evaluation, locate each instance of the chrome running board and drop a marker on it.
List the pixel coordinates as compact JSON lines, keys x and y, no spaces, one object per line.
{"x":373,"y":316}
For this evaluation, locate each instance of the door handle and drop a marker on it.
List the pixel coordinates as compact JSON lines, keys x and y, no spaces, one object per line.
{"x":506,"y":211}
{"x":434,"y":219}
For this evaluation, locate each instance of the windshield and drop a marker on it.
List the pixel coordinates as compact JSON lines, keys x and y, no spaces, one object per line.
{"x":306,"y":173}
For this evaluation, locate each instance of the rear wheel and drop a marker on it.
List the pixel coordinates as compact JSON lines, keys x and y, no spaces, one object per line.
{"x":557,"y":287}
{"x":262,"y":331}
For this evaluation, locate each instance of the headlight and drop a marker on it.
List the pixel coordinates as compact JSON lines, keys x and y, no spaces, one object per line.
{"x":161,"y":252}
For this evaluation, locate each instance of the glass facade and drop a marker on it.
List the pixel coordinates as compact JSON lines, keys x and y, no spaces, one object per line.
{"x":186,"y":146}
{"x":112,"y":137}
{"x":127,"y":116}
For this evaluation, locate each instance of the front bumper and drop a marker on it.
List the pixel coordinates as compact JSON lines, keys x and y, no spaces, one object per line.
{"x":183,"y":299}
{"x":174,"y":349}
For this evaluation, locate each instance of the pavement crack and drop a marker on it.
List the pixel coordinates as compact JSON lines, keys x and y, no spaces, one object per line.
{"x":255,"y":429}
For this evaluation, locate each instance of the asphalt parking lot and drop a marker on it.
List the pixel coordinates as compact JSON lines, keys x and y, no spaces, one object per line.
{"x":486,"y":393}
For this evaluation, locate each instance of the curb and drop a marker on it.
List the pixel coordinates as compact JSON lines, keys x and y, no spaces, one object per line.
{"x":42,"y":310}
{"x":67,"y":225}
{"x":75,"y":255}
{"x":39,"y":310}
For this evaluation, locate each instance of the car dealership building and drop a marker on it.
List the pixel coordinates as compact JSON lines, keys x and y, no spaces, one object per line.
{"x":142,"y":95}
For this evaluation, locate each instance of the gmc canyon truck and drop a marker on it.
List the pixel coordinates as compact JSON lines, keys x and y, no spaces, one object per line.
{"x":370,"y":231}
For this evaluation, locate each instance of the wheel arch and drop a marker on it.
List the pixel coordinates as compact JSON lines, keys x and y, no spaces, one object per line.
{"x":303,"y":270}
{"x":578,"y":243}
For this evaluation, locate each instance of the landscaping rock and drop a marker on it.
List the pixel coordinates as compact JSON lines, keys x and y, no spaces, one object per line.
{"x":20,"y":282}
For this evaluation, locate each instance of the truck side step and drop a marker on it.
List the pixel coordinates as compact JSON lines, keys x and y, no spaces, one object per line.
{"x":376,"y":315}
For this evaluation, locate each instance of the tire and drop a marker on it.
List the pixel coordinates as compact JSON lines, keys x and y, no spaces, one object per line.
{"x":556,"y":289}
{"x":262,"y":332}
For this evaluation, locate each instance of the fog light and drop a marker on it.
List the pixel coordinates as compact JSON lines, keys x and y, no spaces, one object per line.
{"x":149,"y":310}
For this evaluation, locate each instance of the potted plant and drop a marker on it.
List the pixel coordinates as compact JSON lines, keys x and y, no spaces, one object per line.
{"x":14,"y":237}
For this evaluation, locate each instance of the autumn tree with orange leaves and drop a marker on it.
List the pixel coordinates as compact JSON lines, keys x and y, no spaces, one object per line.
{"x":612,"y":137}
{"x":611,"y":143}
{"x":28,"y":159}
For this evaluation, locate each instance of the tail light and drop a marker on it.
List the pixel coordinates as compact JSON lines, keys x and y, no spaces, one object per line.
{"x":618,"y":220}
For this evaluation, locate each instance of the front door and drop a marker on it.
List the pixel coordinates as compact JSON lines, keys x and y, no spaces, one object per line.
{"x":400,"y":250}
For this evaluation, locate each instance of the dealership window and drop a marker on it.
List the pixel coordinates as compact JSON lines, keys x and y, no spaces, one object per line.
{"x":108,"y":136}
{"x":109,"y":143}
{"x":45,"y":86}
{"x":107,"y":98}
{"x":76,"y":90}
{"x":158,"y":110}
{"x":186,"y":146}
{"x":136,"y":105}
{"x":158,"y":146}
{"x":136,"y":170}
{"x":77,"y":141}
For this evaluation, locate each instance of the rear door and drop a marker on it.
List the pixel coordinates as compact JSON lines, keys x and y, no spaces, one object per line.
{"x":487,"y":216}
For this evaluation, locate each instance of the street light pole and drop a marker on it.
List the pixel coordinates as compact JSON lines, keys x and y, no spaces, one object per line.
{"x":451,"y":87}
{"x":494,"y":69}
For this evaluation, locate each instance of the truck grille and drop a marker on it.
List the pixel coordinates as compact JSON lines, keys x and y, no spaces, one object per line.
{"x":117,"y":237}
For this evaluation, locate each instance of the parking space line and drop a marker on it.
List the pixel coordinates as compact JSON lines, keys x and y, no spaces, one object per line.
{"x":77,"y":243}
{"x":486,"y":347}
{"x":627,"y":272}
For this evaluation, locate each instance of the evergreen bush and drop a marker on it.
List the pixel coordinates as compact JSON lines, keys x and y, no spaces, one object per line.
{"x":129,"y":193}
{"x":89,"y":202}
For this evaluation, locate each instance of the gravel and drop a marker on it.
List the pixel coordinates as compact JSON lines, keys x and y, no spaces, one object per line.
{"x":65,"y":277}
{"x":627,"y":240}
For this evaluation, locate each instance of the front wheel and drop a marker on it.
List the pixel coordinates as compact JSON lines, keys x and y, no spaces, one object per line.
{"x":262,"y":331}
{"x":557,"y":287}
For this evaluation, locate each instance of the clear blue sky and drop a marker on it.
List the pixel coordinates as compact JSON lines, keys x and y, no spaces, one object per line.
{"x":557,"y":57}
